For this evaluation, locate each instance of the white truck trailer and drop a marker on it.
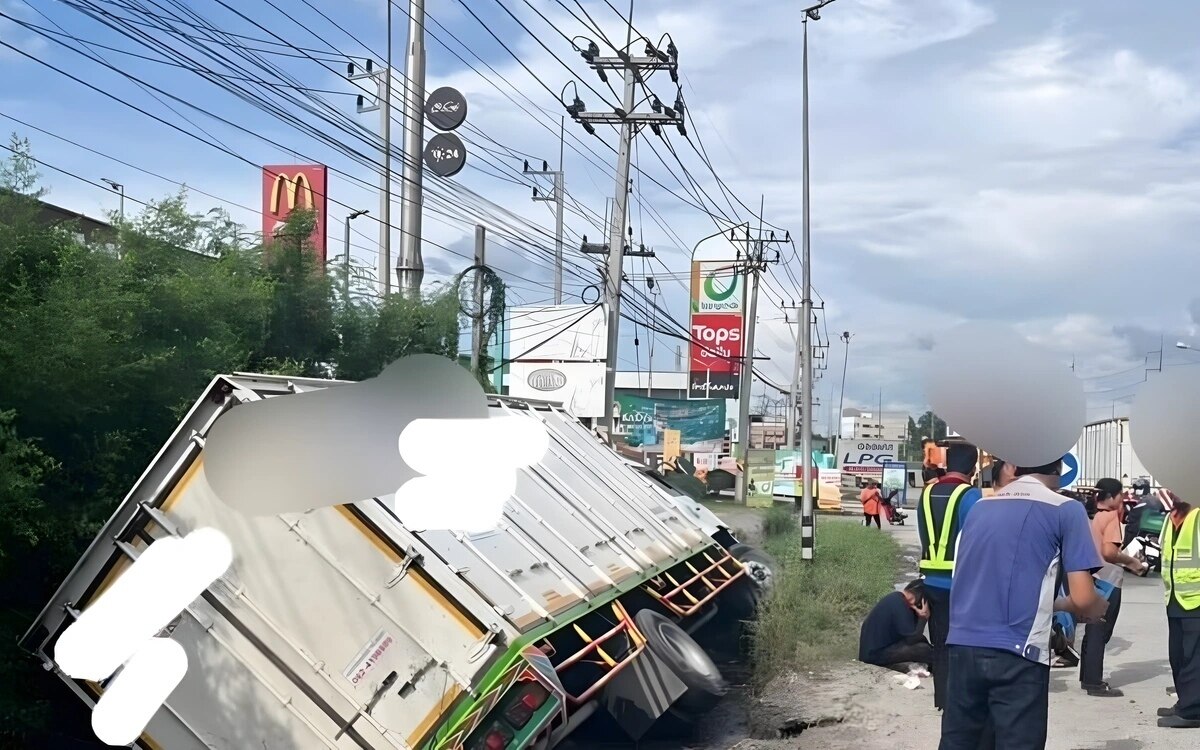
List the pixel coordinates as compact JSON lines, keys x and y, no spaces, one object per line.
{"x":1104,"y":450}
{"x":340,"y":628}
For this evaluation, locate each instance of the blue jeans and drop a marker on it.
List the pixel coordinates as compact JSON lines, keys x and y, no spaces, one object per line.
{"x":988,"y":686}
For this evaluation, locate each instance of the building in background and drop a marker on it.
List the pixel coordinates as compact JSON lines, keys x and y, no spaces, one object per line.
{"x":889,"y":425}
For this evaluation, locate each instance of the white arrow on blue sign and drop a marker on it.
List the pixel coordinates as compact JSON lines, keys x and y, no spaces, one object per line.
{"x":1070,"y":471}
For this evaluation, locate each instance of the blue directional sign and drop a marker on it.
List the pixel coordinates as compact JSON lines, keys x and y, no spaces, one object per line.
{"x":1070,"y":471}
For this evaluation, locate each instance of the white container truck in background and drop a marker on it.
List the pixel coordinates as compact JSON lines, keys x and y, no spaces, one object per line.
{"x":1104,"y":450}
{"x":340,"y":628}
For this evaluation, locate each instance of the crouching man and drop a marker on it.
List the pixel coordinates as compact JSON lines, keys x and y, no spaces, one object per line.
{"x":893,"y":635}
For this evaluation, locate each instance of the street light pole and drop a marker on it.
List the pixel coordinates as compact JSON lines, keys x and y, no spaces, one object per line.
{"x":118,"y":188}
{"x":346,"y":260}
{"x":842,"y":398}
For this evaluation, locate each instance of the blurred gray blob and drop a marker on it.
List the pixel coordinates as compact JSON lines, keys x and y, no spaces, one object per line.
{"x":337,"y":445}
{"x":1009,"y":397}
{"x":1162,"y":428}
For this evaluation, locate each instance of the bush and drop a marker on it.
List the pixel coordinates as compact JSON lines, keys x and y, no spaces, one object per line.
{"x":780,"y":520}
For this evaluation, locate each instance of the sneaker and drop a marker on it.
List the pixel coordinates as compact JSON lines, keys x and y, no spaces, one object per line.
{"x":1103,"y":690}
{"x":1178,"y":722}
{"x":1167,"y":711}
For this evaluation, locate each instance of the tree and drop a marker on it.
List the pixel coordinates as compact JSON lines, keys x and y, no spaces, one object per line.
{"x":928,"y":425}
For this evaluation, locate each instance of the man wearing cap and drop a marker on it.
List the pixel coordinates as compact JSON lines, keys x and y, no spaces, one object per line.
{"x":1002,"y":604}
{"x":1181,"y":576}
{"x":940,"y":517}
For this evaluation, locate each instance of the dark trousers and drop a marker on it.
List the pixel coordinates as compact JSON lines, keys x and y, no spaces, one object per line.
{"x":939,"y":629}
{"x":1184,"y":648}
{"x":997,"y":687}
{"x":1095,"y":637}
{"x":899,"y":655}
{"x":868,"y":517}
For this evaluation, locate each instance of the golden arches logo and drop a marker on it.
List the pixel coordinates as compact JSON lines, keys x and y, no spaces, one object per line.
{"x":291,"y":186}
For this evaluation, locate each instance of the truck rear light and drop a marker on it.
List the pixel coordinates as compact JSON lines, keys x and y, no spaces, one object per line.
{"x":529,"y":698}
{"x":495,"y":737}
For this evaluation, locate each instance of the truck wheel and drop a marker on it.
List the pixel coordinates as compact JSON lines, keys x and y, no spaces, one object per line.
{"x":761,"y":567}
{"x":689,"y":662}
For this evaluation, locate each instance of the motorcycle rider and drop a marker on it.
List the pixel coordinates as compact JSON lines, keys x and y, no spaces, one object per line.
{"x":1145,"y":503}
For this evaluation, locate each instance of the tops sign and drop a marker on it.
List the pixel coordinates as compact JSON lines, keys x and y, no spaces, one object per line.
{"x":867,"y":457}
{"x":288,"y":187}
{"x":546,"y":380}
{"x":716,"y":287}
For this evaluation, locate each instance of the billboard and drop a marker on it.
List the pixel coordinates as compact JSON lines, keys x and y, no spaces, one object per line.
{"x":866,"y":458}
{"x":760,"y":478}
{"x":286,"y":187}
{"x":717,"y":302}
{"x":643,"y":422}
{"x":558,"y":333}
{"x":578,"y":386}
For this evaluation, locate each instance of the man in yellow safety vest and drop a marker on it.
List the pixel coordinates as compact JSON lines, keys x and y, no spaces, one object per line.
{"x":1181,"y":575}
{"x":945,"y":503}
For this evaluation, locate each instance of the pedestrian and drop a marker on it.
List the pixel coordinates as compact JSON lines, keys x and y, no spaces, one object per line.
{"x":872,"y":502}
{"x":893,"y":633}
{"x":1106,"y":532}
{"x":944,"y":506}
{"x":1181,"y":576}
{"x":931,"y":470}
{"x":1001,"y":606}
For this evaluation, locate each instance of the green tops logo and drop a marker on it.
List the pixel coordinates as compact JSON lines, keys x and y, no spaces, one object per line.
{"x":714,"y":298}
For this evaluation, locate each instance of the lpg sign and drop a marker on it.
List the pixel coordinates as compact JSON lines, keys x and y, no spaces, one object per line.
{"x":867,"y":457}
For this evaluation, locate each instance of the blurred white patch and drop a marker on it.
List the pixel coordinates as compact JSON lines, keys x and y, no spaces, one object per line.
{"x":164,"y":580}
{"x":130,"y":701}
{"x":121,"y":628}
{"x":465,"y":488}
{"x":1162,"y":428}
{"x":1004,"y":394}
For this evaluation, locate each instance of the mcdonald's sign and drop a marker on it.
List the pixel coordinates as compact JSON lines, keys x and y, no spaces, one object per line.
{"x":290,"y":186}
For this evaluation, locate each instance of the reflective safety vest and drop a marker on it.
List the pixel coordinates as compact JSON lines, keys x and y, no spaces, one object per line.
{"x":1181,"y":561}
{"x":939,"y":533}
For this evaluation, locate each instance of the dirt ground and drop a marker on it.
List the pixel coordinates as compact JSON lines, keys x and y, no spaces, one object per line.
{"x":853,"y":705}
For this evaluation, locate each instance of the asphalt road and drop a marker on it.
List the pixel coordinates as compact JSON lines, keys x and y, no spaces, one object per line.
{"x":1136,"y":662}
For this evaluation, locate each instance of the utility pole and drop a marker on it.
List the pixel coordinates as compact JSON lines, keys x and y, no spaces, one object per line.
{"x":346,"y":260}
{"x":382,"y":104}
{"x":558,"y":198}
{"x":477,"y":320}
{"x":755,"y":264}
{"x":797,"y":363}
{"x":411,"y":268}
{"x":845,"y":337}
{"x":636,"y":71}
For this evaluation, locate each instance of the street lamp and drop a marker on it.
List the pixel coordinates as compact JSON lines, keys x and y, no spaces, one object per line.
{"x":346,"y":260}
{"x":1181,"y":345}
{"x":117,"y":188}
{"x":845,"y":337}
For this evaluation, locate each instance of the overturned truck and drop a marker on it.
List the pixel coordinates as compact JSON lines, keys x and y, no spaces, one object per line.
{"x":341,"y":628}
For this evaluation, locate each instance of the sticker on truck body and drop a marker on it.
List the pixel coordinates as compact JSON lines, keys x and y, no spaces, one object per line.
{"x":369,"y":657}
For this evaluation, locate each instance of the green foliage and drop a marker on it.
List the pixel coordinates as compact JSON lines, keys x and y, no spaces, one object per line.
{"x":102,"y":353}
{"x":779,"y":521}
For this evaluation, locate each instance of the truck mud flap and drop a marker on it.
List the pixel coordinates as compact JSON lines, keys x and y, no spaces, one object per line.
{"x":639,"y":695}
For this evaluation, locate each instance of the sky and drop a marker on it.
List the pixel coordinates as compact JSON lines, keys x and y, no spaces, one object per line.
{"x":1029,"y":161}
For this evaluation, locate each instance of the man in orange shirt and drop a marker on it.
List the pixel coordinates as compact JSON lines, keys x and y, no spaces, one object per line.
{"x":872,"y":501}
{"x":931,"y":465}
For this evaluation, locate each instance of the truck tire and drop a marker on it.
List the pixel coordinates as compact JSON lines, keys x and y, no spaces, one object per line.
{"x":762,"y":567}
{"x":685,"y":657}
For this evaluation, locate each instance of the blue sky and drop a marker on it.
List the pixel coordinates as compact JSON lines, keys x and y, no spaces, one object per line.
{"x":1025,"y":160}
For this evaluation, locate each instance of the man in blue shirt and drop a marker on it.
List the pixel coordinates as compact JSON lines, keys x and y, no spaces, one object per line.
{"x":944,"y":506}
{"x":1002,"y":604}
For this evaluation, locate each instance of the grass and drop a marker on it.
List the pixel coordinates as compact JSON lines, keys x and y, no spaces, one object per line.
{"x":813,"y":613}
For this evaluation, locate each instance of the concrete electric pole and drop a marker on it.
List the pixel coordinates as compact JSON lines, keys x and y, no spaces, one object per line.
{"x":558,"y":197}
{"x":636,"y":71}
{"x":411,"y":267}
{"x":477,"y":320}
{"x":381,"y":104}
